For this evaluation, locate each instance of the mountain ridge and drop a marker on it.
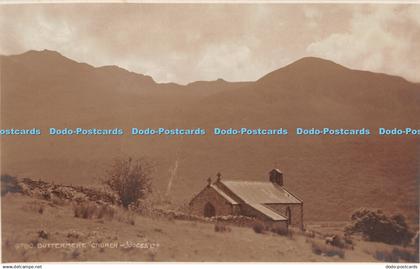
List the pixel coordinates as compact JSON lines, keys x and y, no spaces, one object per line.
{"x":350,"y":171}
{"x":308,"y":61}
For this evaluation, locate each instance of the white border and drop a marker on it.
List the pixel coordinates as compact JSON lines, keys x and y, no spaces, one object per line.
{"x":211,"y":1}
{"x":221,"y":265}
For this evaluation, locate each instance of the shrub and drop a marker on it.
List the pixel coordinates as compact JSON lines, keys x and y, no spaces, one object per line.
{"x":143,"y":206}
{"x":34,"y":206}
{"x":221,"y":227}
{"x":75,"y":254}
{"x":348,"y":240}
{"x":282,"y":231}
{"x":374,"y":225}
{"x":105,"y":211}
{"x":258,"y":227}
{"x":407,"y":255}
{"x":338,"y":241}
{"x":323,"y":249}
{"x":84,"y":211}
{"x":94,"y":211}
{"x":385,"y":255}
{"x":43,"y":234}
{"x":130,"y":180}
{"x":396,"y":255}
{"x":9,"y":184}
{"x":126,"y":217}
{"x":74,"y":235}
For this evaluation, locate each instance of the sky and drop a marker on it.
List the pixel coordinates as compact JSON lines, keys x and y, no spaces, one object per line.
{"x":237,"y":42}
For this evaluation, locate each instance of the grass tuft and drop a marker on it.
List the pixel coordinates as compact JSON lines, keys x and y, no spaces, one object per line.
{"x":221,"y":227}
{"x":396,"y":255}
{"x":320,"y":248}
{"x":258,"y":227}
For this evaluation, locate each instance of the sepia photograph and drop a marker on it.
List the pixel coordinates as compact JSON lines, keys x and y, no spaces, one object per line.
{"x":209,"y":132}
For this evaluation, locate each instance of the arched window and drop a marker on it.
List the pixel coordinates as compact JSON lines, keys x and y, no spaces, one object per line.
{"x":289,"y":215}
{"x":209,"y":210}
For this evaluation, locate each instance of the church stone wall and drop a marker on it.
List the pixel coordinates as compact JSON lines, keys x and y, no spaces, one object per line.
{"x":295,"y":209}
{"x":209,"y":195}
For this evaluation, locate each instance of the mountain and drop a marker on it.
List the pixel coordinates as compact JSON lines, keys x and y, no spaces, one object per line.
{"x":316,"y":91}
{"x":215,"y":86}
{"x":333,"y":175}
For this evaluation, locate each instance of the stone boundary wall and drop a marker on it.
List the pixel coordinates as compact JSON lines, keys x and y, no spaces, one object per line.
{"x":236,"y":220}
{"x":50,"y":191}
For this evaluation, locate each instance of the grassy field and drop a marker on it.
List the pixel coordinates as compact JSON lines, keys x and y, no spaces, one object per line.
{"x":27,"y":221}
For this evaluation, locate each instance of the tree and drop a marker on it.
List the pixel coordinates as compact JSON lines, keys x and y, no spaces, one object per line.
{"x":130,"y":180}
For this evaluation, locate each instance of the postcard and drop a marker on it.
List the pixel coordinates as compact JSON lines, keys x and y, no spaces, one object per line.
{"x":202,"y":132}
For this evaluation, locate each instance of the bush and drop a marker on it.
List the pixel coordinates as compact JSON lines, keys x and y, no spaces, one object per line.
{"x":106,"y":212}
{"x":338,"y":241}
{"x":396,"y":255}
{"x":279,"y":230}
{"x":374,"y":225}
{"x":144,"y":207}
{"x":85,"y":211}
{"x":348,"y":240}
{"x":94,"y":211}
{"x":406,"y":254}
{"x":34,"y":206}
{"x":323,"y":249}
{"x":130,"y":180}
{"x":126,"y":217}
{"x":9,"y":184}
{"x":43,"y":234}
{"x":283,"y":231}
{"x":41,"y":210}
{"x":258,"y":227}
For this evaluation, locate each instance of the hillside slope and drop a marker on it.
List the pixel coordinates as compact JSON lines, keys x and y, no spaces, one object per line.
{"x":145,"y":239}
{"x":333,"y":175}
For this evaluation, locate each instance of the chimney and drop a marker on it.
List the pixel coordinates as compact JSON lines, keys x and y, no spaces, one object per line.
{"x":219,"y":177}
{"x":276,"y":177}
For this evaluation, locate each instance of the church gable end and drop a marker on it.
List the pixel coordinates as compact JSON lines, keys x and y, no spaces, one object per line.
{"x":208,"y":201}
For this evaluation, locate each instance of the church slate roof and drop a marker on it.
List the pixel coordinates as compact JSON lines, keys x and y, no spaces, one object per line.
{"x":224,"y":195}
{"x":254,"y":192}
{"x":268,"y":212}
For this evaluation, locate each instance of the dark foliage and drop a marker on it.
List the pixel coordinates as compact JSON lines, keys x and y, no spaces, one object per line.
{"x":282,"y":231}
{"x":320,"y":248}
{"x":130,"y":180}
{"x":374,"y":225}
{"x":258,"y":227}
{"x":9,"y":184}
{"x":396,"y":255}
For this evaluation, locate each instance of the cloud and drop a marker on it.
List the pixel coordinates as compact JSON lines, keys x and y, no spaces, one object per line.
{"x":217,"y":60}
{"x":184,"y":43}
{"x":382,"y":39}
{"x":312,"y":15}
